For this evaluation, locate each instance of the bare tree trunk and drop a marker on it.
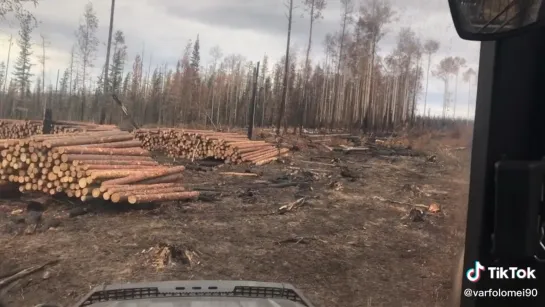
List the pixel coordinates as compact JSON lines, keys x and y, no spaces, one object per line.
{"x":44,"y":104}
{"x":107,"y":65}
{"x":468,"y":97}
{"x":71,"y":71}
{"x":282,"y":110}
{"x":305,"y":80}
{"x":369,"y":85}
{"x":339,"y":62}
{"x":415,"y":86}
{"x":427,"y":83}
{"x":455,"y":96}
{"x":84,"y":92}
{"x":445,"y":98}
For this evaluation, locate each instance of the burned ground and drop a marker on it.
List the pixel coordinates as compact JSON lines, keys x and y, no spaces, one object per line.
{"x":359,"y":232}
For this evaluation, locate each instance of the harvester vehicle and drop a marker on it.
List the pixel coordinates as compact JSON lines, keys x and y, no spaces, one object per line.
{"x":503,"y":262}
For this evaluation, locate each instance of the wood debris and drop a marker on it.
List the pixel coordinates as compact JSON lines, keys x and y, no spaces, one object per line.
{"x":291,"y":206}
{"x":239,"y":174}
{"x":434,"y":208}
{"x":22,"y":273}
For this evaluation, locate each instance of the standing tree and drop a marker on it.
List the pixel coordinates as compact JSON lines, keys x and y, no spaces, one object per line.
{"x":445,"y":68}
{"x":286,"y":72}
{"x":430,"y":47}
{"x":216,"y":54}
{"x":16,"y":7}
{"x":42,"y":61}
{"x":22,"y":63}
{"x":118,"y":62}
{"x":194,"y":75}
{"x":108,"y":47}
{"x":346,"y":20}
{"x":468,"y":77}
{"x":87,"y":46}
{"x":72,"y":63}
{"x":196,"y":58}
{"x":314,"y":8}
{"x":7,"y":64}
{"x":374,"y":15}
{"x":2,"y":72}
{"x":460,"y":63}
{"x":107,"y":65}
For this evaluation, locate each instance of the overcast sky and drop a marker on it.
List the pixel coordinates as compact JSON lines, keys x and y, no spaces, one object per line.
{"x":248,"y":27}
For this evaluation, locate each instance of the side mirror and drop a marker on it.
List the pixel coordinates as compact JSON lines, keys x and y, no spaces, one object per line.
{"x":488,"y":20}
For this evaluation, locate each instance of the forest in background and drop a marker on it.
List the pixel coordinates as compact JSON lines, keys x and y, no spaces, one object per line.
{"x":352,"y":88}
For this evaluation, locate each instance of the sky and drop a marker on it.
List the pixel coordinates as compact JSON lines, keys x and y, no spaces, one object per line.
{"x":251,"y":28}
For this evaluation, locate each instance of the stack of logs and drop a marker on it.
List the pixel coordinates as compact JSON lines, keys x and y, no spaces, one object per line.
{"x":106,"y":164}
{"x":71,"y":127}
{"x":19,"y":129}
{"x":201,"y":144}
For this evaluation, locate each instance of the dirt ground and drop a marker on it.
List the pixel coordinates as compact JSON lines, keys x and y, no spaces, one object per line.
{"x":355,"y":238}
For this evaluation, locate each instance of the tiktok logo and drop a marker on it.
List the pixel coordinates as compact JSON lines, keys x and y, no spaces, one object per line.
{"x":474,"y":274}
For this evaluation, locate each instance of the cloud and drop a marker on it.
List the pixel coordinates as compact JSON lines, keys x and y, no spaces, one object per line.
{"x":252,"y":28}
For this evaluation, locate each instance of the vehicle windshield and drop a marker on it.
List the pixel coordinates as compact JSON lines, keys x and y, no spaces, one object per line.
{"x":322,"y":145}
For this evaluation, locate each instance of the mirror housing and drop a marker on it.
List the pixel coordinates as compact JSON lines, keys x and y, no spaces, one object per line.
{"x":489,"y":20}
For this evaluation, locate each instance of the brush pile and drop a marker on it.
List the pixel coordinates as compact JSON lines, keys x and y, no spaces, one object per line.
{"x":202,"y":144}
{"x":19,"y":129}
{"x":103,"y":164}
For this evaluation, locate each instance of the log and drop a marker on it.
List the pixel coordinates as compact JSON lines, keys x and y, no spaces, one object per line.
{"x":239,"y":174}
{"x":114,"y":166}
{"x":88,"y":140}
{"x":124,"y":144}
{"x":149,"y":198}
{"x":103,"y":151}
{"x":76,"y":157}
{"x":123,"y":196}
{"x":136,"y":187}
{"x":164,"y":179}
{"x":249,"y":156}
{"x":267,"y":160}
{"x":143,"y":177}
{"x":269,"y":154}
{"x":118,"y":162}
{"x":119,"y":173}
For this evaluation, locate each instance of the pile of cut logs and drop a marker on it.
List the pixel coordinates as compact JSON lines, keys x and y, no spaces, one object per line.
{"x":106,"y":164}
{"x":19,"y":129}
{"x":201,"y":144}
{"x":70,"y":127}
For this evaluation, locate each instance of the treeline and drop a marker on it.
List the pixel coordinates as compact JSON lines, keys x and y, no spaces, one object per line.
{"x":352,"y":88}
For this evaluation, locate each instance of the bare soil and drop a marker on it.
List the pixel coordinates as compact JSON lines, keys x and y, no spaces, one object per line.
{"x":356,"y":239}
